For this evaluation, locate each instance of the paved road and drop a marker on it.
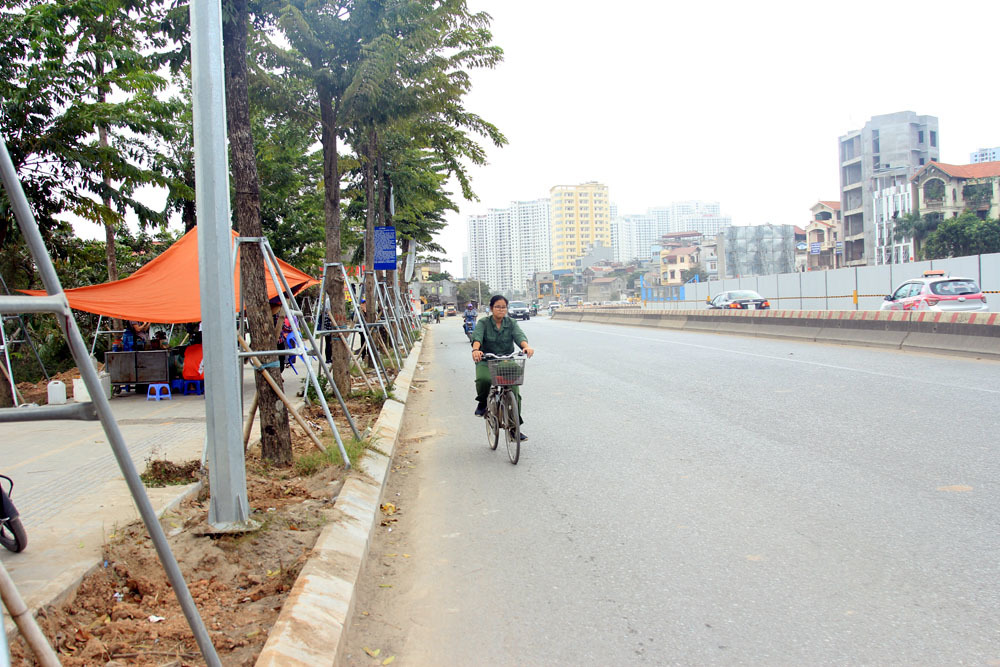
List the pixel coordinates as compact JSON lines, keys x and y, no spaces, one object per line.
{"x":704,"y":499}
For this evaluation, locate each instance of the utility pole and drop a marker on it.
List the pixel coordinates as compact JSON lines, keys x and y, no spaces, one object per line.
{"x":229,"y":509}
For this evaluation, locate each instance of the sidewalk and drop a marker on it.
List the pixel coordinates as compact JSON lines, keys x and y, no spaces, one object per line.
{"x":71,"y":493}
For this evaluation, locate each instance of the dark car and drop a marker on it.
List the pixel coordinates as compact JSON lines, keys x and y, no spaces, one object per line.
{"x":741,"y":299}
{"x":518,"y":310}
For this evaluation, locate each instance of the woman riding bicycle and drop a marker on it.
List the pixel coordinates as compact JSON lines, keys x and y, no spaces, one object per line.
{"x":497,"y":334}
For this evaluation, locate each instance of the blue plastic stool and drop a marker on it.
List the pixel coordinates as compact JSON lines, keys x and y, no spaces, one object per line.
{"x":158,"y":391}
{"x":194,"y":387}
{"x":177,"y":385}
{"x":290,"y":342}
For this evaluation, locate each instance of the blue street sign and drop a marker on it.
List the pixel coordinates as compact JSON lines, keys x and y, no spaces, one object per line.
{"x":385,"y":249}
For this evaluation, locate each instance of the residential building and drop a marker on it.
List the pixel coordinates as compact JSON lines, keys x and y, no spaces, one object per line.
{"x":947,"y":190}
{"x":623,"y":238}
{"x":605,"y":289}
{"x":707,"y":224}
{"x":596,"y":253}
{"x":424,"y":270}
{"x":985,"y":155}
{"x":892,"y":199}
{"x":824,"y":237}
{"x":675,"y":261}
{"x":897,"y":143}
{"x":580,"y":216}
{"x":465,"y":265}
{"x":543,"y":287}
{"x":757,"y":250}
{"x":508,"y":245}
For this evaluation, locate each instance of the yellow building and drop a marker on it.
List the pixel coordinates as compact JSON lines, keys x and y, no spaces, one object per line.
{"x":580,"y":215}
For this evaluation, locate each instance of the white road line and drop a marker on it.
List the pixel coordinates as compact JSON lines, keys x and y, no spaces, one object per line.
{"x":799,"y":361}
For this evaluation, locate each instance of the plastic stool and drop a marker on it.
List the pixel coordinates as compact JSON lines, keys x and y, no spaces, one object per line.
{"x":157,"y":391}
{"x":194,"y":387}
{"x":177,"y":385}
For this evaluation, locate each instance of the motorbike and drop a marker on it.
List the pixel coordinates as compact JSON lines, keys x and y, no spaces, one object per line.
{"x":469,"y":325}
{"x":12,"y":535}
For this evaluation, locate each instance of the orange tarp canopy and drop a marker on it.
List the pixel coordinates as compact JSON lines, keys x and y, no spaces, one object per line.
{"x":166,"y":290}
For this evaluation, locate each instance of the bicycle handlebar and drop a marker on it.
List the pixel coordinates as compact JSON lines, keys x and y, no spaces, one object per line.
{"x":515,"y":353}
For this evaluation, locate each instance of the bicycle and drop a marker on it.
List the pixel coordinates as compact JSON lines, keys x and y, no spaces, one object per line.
{"x":501,"y":403}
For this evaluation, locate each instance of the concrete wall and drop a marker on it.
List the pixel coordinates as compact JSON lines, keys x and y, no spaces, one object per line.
{"x":833,"y":290}
{"x":965,"y":334}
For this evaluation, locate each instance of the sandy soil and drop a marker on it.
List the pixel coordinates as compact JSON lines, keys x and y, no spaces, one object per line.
{"x":126,"y":613}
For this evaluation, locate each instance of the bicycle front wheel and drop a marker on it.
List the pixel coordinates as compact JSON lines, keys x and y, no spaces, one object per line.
{"x":12,"y":535}
{"x":512,"y":427}
{"x":492,"y":423}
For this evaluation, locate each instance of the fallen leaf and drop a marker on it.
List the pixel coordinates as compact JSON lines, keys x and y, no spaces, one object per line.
{"x":385,"y":586}
{"x":406,"y":555}
{"x":372,"y":653}
{"x":389,"y":660}
{"x":388,"y":508}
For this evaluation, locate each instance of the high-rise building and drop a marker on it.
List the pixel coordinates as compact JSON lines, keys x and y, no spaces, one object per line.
{"x":708,"y":224}
{"x":985,"y":155}
{"x":509,"y":245}
{"x":897,"y":143}
{"x":581,"y":216}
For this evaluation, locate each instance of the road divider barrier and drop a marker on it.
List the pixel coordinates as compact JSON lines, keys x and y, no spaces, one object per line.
{"x":968,"y":334}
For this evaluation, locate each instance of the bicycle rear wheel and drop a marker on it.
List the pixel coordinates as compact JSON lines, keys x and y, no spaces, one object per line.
{"x":512,"y":427}
{"x":492,"y":423}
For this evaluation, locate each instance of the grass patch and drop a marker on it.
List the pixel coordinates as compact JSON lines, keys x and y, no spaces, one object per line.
{"x":313,"y":462}
{"x":161,"y":473}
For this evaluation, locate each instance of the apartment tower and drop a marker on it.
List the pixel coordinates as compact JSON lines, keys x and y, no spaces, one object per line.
{"x":580,"y":216}
{"x":509,"y":245}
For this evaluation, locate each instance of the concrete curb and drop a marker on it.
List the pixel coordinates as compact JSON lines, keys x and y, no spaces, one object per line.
{"x":964,"y":334}
{"x":312,"y":623}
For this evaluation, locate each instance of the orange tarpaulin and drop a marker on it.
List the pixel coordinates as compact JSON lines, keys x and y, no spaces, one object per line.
{"x":166,"y":289}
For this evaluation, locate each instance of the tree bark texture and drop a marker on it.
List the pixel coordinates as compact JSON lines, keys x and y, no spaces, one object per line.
{"x":339,"y":366}
{"x":276,"y":443}
{"x":371,"y":205}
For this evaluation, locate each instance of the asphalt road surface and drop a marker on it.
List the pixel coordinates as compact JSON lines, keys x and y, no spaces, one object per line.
{"x":692,"y":498}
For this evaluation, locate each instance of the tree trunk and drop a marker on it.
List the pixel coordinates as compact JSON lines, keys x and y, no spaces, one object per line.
{"x":276,"y":442}
{"x":110,"y":251}
{"x":188,"y":213}
{"x":371,"y":204}
{"x":6,"y":398}
{"x":334,"y":251}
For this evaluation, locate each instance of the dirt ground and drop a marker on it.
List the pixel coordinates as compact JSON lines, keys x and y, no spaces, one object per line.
{"x":125,"y":613}
{"x":38,"y":392}
{"x":372,"y":638}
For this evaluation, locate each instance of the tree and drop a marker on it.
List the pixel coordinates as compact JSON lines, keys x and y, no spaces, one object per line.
{"x":437,"y":277}
{"x":474,"y":290}
{"x":916,"y":227}
{"x":965,"y":235}
{"x":276,"y":442}
{"x":697,"y":270}
{"x":74,"y":150}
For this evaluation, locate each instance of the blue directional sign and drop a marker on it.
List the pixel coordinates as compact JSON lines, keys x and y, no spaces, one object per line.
{"x":385,"y":249}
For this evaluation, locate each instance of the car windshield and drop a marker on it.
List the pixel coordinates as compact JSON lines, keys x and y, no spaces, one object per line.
{"x":518,"y":304}
{"x":744,"y":294}
{"x":954,"y":287}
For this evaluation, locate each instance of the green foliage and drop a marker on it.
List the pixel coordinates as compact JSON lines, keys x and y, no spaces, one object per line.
{"x":934,"y":190}
{"x":965,"y":235}
{"x":438,"y":277}
{"x":698,"y":270}
{"x":976,"y":194}
{"x":474,"y":290}
{"x":67,"y":70}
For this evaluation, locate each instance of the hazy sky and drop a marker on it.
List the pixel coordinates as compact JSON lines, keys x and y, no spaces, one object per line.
{"x":731,"y":101}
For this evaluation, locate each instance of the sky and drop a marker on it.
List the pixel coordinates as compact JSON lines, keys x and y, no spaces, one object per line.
{"x":735,"y":102}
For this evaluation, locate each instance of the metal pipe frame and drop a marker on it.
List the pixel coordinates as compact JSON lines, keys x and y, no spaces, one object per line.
{"x":57,"y":301}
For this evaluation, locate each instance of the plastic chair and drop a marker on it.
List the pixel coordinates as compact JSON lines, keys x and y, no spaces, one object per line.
{"x":194,"y":387}
{"x":158,"y":391}
{"x":177,"y":385}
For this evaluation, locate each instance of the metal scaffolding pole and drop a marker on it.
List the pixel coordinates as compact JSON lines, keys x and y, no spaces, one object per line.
{"x":56,"y":303}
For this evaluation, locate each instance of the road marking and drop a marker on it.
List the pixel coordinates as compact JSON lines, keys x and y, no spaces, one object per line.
{"x":800,"y":361}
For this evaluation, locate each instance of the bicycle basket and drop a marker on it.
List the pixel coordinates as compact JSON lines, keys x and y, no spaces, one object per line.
{"x":507,"y":372}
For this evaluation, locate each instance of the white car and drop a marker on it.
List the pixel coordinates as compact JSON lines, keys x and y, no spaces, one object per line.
{"x":937,"y":292}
